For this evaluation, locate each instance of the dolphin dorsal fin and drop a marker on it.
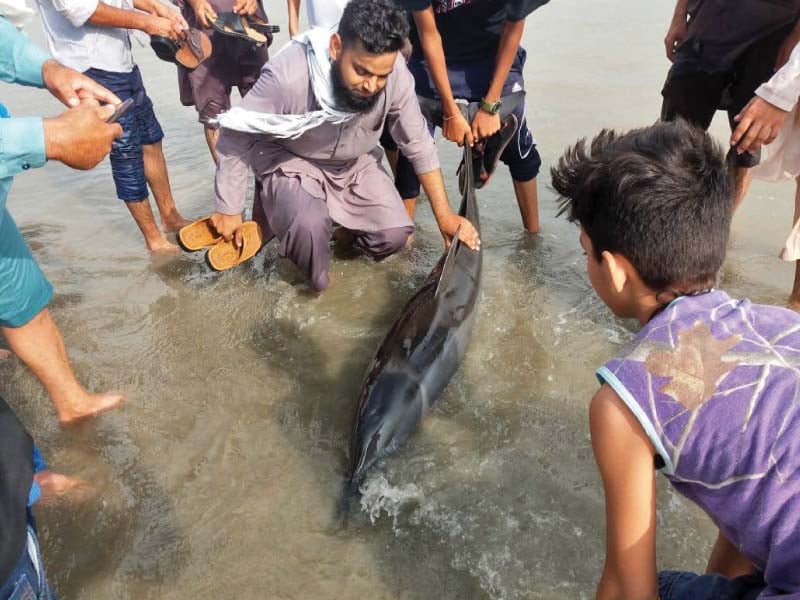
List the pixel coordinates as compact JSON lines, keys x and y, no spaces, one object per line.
{"x":449,"y":262}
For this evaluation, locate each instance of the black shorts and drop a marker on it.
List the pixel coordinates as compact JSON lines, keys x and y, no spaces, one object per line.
{"x":697,"y":95}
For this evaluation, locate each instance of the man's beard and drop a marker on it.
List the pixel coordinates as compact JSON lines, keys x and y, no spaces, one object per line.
{"x":346,"y":98}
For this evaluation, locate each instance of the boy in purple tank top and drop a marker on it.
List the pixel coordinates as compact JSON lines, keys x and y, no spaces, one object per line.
{"x":708,"y":392}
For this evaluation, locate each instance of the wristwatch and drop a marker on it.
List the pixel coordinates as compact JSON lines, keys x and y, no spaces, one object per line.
{"x":491,"y":107}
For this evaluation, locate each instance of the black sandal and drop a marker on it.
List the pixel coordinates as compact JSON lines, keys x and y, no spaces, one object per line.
{"x":229,"y":23}
{"x":486,"y":153}
{"x":164,"y":47}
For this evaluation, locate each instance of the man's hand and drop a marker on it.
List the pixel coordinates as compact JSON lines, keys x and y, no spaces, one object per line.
{"x":759,"y":124}
{"x":71,"y":87}
{"x":485,"y":125}
{"x":229,"y":227}
{"x":466,"y":231}
{"x":245,"y":7}
{"x":205,"y":13}
{"x":164,"y":27}
{"x":676,"y":34}
{"x":80,"y":137}
{"x":455,"y":128}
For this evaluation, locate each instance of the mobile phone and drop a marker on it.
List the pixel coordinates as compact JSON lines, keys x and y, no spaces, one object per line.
{"x":122,"y":108}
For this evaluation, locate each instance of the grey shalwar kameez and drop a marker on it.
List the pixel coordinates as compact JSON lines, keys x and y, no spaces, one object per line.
{"x":331,"y":174}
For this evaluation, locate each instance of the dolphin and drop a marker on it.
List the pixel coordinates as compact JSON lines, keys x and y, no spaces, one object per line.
{"x":420,"y":354}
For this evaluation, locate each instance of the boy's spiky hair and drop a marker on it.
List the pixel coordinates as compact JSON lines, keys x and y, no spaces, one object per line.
{"x":661,"y":196}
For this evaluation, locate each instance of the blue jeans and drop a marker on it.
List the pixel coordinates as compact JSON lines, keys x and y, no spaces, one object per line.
{"x":139,"y":127}
{"x":27,"y":581}
{"x":682,"y":585}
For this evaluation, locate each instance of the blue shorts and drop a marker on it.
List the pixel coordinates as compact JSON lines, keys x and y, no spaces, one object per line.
{"x":139,"y":127}
{"x":681,"y":585}
{"x":24,"y":290}
{"x":28,"y":581}
{"x":471,"y":82}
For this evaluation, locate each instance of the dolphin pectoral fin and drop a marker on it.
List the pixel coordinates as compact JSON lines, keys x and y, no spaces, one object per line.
{"x":447,"y":268}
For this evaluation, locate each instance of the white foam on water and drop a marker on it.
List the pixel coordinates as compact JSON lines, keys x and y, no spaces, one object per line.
{"x":379,"y":496}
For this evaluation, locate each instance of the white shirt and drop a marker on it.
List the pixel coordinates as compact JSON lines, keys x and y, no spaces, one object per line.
{"x":325,"y":13}
{"x":80,"y":45}
{"x":783,"y":89}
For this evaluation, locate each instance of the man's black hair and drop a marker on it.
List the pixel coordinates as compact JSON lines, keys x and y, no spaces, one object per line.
{"x":661,"y":196}
{"x":379,"y":25}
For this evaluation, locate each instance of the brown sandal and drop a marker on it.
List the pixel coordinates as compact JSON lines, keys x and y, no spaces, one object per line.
{"x":194,"y":49}
{"x":198,"y":235}
{"x":225,"y":255}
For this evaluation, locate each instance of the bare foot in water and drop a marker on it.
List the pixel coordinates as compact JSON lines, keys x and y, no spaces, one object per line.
{"x":90,"y":406}
{"x":162,"y":246}
{"x":174,"y":223}
{"x":343,"y":238}
{"x":55,"y":486}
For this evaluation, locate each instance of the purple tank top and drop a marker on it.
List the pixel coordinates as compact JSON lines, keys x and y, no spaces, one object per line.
{"x":715,"y":384}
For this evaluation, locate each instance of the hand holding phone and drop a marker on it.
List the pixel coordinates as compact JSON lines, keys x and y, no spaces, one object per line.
{"x":119,"y":112}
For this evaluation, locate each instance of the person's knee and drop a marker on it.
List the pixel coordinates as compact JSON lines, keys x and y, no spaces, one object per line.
{"x":526,"y":168}
{"x":382,"y":244}
{"x":521,"y":155}
{"x":314,"y":221}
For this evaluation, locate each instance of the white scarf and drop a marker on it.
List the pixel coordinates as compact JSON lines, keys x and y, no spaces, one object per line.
{"x":16,"y":11}
{"x":316,"y":42}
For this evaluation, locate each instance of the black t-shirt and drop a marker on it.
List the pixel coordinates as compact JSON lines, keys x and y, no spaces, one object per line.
{"x":470,"y":29}
{"x":16,"y":476}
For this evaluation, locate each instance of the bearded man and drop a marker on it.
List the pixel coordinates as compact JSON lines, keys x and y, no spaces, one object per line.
{"x":310,"y":129}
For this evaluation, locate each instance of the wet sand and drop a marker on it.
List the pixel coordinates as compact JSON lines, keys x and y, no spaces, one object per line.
{"x":219,"y":477}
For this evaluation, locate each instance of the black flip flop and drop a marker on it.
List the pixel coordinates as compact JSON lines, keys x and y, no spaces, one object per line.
{"x":234,"y":25}
{"x":164,"y":47}
{"x":486,"y":153}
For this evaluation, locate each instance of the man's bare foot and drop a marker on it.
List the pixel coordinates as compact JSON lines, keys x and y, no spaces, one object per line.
{"x":162,"y":246}
{"x":92,"y":405}
{"x":794,"y":303}
{"x":174,"y":223}
{"x":343,"y":238}
{"x":55,"y":486}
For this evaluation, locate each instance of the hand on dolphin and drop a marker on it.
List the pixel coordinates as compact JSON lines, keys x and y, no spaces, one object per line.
{"x":466,"y":231}
{"x":229,"y":227}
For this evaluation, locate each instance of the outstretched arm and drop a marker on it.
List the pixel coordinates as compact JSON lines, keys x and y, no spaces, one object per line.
{"x":150,"y":20}
{"x":293,"y":7}
{"x":485,"y":124}
{"x":677,"y":29}
{"x":764,"y":116}
{"x":625,"y":458}
{"x":454,"y":126}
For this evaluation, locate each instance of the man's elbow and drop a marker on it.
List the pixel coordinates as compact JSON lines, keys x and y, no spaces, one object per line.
{"x":79,"y":13}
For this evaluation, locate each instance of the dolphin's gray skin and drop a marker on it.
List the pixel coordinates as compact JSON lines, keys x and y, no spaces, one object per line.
{"x":420,"y":353}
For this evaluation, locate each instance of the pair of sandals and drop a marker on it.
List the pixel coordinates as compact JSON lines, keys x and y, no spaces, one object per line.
{"x":222,"y":255}
{"x":190,"y":51}
{"x":251,"y":28}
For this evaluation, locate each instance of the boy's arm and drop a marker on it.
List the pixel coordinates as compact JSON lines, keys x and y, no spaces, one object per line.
{"x":454,"y":126}
{"x":485,"y":124}
{"x":678,"y":29}
{"x":625,"y":459}
{"x":293,"y":7}
{"x":149,"y":21}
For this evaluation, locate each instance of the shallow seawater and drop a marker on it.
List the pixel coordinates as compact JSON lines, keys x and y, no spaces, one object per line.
{"x":220,"y":476}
